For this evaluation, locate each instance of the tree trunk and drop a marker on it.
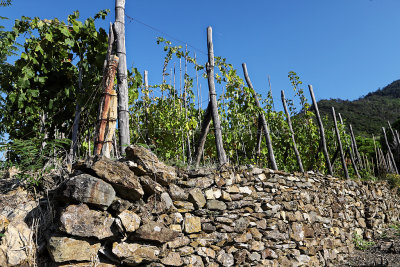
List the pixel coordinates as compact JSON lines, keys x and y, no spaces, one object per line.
{"x":321,"y":131}
{"x":123,"y":114}
{"x":213,"y":100}
{"x":264,"y":122}
{"x":346,"y":173}
{"x":296,"y":152}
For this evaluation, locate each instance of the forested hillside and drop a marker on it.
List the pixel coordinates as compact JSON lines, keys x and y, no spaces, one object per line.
{"x":367,"y":113}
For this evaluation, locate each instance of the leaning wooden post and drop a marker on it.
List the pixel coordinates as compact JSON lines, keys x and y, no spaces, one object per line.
{"x":321,"y":131}
{"x":212,"y":109}
{"x":353,"y":162}
{"x":262,"y":117}
{"x":105,"y":106}
{"x":390,"y":151}
{"x":205,"y":127}
{"x":346,"y":173}
{"x":123,"y":113}
{"x":259,"y":136}
{"x":213,"y":99}
{"x":354,"y":143}
{"x":296,"y":152}
{"x":395,"y":136}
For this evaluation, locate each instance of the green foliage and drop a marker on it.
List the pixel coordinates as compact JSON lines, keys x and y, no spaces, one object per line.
{"x":33,"y":158}
{"x":396,"y":228}
{"x":393,"y":180}
{"x":360,"y":243}
{"x":44,"y":79}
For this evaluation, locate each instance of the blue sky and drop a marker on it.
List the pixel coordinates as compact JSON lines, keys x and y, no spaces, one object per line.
{"x":344,"y":48}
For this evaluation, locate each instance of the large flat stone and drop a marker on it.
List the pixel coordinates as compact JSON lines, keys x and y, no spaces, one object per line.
{"x":124,"y":181}
{"x":63,"y":249}
{"x":135,"y":254}
{"x":79,"y":220}
{"x":157,"y":232}
{"x":88,"y":189}
{"x":151,"y":164}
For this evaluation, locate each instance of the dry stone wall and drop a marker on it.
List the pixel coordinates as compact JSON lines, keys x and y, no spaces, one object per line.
{"x":142,"y":212}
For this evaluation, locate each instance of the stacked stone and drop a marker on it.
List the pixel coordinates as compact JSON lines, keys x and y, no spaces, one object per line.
{"x":143,"y":212}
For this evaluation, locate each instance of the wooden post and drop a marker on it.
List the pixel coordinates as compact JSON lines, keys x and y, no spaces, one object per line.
{"x":346,"y":173}
{"x":123,"y":113}
{"x":390,"y":151}
{"x":396,"y":140}
{"x":212,"y":109}
{"x":146,"y":107}
{"x":105,"y":106}
{"x":213,"y":99}
{"x":353,"y":162}
{"x":296,"y":152}
{"x":259,"y":136}
{"x":262,"y":117}
{"x":354,"y":143}
{"x":321,"y":131}
{"x":75,"y":128}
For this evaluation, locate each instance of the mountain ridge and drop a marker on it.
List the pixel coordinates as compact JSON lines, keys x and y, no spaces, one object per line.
{"x":369,"y":113}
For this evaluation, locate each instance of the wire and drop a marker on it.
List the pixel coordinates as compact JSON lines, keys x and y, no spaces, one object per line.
{"x":162,"y":32}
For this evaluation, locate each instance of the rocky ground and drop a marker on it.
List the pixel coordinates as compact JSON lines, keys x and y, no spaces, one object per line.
{"x":384,"y":251}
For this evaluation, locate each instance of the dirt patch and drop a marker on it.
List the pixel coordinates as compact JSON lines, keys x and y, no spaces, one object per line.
{"x":385,"y":251}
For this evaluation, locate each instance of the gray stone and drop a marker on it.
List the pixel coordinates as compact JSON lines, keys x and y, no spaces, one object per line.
{"x":241,"y":225}
{"x":130,"y":220}
{"x":150,"y":163}
{"x":172,"y":259}
{"x":167,"y":200}
{"x":225,"y":259}
{"x":90,"y":190}
{"x":216,"y":205}
{"x":79,"y":220}
{"x":135,"y":254}
{"x":154,"y":231}
{"x":124,"y":181}
{"x":177,"y":193}
{"x":197,"y":198}
{"x":63,"y":249}
{"x":15,"y":244}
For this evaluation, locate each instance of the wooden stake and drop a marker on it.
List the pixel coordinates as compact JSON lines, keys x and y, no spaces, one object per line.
{"x":262,"y":117}
{"x":259,"y":136}
{"x":390,"y":152}
{"x":104,"y":113}
{"x":346,"y":173}
{"x":354,"y":144}
{"x":122,"y":79}
{"x":321,"y":131}
{"x":296,"y":152}
{"x":212,"y":107}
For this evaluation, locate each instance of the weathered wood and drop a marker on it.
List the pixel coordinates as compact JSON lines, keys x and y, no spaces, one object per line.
{"x":146,"y":108}
{"x":296,"y":152}
{"x":188,"y":149}
{"x":262,"y":117}
{"x":259,"y":136}
{"x":390,"y":152}
{"x":354,"y":145}
{"x":213,"y":100}
{"x":77,"y":118}
{"x":104,"y":113}
{"x":112,"y":123}
{"x":353,"y":163}
{"x":346,"y":173}
{"x":123,"y":113}
{"x":321,"y":131}
{"x":396,"y":140}
{"x":205,"y":127}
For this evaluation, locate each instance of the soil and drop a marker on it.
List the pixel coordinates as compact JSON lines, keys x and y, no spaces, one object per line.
{"x":384,"y":252}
